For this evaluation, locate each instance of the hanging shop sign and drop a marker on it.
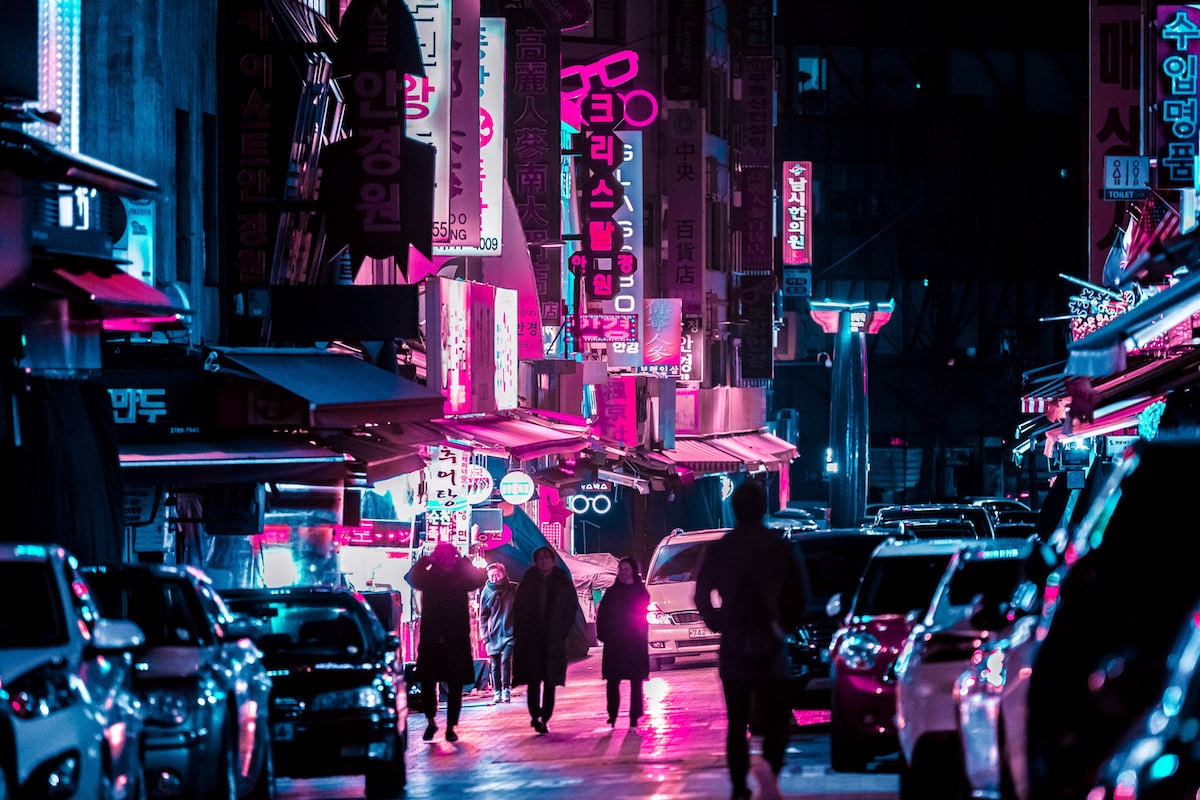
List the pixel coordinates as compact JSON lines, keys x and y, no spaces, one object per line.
{"x":462,"y":223}
{"x":663,"y":336}
{"x":447,"y":513}
{"x":488,"y":529}
{"x":686,"y":186}
{"x":1178,"y":50}
{"x":479,"y":484}
{"x":589,"y":504}
{"x":427,"y":101}
{"x":797,"y":219}
{"x":517,"y":487}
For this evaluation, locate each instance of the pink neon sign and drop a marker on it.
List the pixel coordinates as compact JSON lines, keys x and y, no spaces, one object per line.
{"x":797,"y":213}
{"x":609,"y":72}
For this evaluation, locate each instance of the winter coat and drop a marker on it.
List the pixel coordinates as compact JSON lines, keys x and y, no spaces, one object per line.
{"x":444,"y":649}
{"x":763,"y":594}
{"x":621,"y":624}
{"x":540,"y":633}
{"x":495,"y":614}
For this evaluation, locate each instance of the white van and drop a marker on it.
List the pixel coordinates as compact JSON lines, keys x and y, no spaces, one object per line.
{"x":676,"y":629}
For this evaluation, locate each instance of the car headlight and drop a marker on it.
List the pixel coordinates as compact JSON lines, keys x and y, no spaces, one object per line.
{"x":44,"y":691}
{"x":858,"y":650}
{"x":168,"y":707}
{"x":362,"y":697}
{"x":656,"y":616}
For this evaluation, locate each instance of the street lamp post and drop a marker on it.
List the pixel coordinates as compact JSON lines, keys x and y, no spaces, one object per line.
{"x":848,"y":465}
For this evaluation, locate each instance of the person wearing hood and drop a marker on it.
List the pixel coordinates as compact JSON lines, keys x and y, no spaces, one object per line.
{"x":621,"y":624}
{"x":496,"y":628}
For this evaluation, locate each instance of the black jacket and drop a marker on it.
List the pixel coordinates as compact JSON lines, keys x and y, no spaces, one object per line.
{"x":540,"y":630}
{"x":495,"y":614}
{"x":621,"y":624}
{"x":444,"y":649}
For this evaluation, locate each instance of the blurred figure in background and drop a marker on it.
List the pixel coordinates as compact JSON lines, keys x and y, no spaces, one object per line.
{"x":621,"y":624}
{"x":543,"y":613}
{"x":444,"y":579}
{"x":496,"y":624}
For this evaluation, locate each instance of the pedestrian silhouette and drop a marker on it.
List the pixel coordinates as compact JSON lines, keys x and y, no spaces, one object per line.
{"x":544,"y":611}
{"x":445,"y":580}
{"x":762,"y":590}
{"x":622,"y":626}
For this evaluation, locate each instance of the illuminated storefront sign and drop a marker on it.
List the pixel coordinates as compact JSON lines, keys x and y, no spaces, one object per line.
{"x":447,"y":513}
{"x":600,"y":77}
{"x":427,"y":101}
{"x":472,"y":345}
{"x":505,"y":349}
{"x":449,"y":367}
{"x":1178,"y":73}
{"x":603,"y":327}
{"x":663,"y":331}
{"x":797,"y":205}
{"x":589,"y":503}
{"x":462,"y":224}
{"x":616,"y":409}
{"x":516,"y":487}
{"x":627,"y":294}
{"x":691,"y":350}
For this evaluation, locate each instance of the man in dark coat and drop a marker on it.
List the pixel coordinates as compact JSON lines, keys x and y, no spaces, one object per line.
{"x":543,"y":613}
{"x":444,"y":580}
{"x":496,"y":625}
{"x":763,"y":593}
{"x":622,"y":625}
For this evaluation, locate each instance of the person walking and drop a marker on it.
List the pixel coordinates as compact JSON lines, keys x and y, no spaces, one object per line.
{"x":763,"y":593}
{"x":496,"y":624}
{"x":621,"y":624}
{"x":544,"y":610}
{"x":445,"y":580}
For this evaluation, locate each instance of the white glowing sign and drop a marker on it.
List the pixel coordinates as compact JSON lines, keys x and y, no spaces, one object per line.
{"x":427,"y":100}
{"x":479,"y":484}
{"x":448,"y":370}
{"x":516,"y":487}
{"x":506,"y":348}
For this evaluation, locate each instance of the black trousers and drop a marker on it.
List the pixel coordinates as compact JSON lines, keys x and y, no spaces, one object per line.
{"x":429,"y":699}
{"x":540,"y":700}
{"x":502,"y":668}
{"x":772,"y":696}
{"x":635,"y":698}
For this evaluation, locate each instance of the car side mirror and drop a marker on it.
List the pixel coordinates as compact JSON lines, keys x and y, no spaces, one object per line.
{"x":833,"y":607}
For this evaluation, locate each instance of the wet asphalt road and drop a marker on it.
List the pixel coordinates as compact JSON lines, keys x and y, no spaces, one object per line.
{"x":676,"y":753}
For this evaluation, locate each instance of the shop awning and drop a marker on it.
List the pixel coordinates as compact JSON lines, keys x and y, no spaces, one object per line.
{"x":1115,"y":417}
{"x":124,"y":302}
{"x":341,"y":391}
{"x":700,"y":455}
{"x":508,"y":437}
{"x":373,"y":456}
{"x":758,"y":450}
{"x":242,"y":461}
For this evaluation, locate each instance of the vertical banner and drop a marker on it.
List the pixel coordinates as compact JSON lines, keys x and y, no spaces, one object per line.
{"x":758,"y":154}
{"x":427,"y":101}
{"x":448,"y":513}
{"x":663,"y":332}
{"x":1178,"y":73}
{"x":686,"y":61}
{"x":1114,"y":116}
{"x":685,"y":183}
{"x":616,"y":409}
{"x":463,"y":220}
{"x":797,"y":208}
{"x":448,"y":367}
{"x":481,"y":347}
{"x":532,"y":114}
{"x":628,"y":292}
{"x":507,"y":320}
{"x":756,"y":303}
{"x":691,"y":349}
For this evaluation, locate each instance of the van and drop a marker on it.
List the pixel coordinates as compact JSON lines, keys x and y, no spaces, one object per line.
{"x":676,"y":629}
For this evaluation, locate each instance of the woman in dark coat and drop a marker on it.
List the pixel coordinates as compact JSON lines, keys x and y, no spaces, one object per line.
{"x":543,"y":613}
{"x":621,"y":624}
{"x":444,"y":580}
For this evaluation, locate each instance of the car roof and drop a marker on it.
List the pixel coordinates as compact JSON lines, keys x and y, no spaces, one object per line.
{"x":920,"y":547}
{"x":149,"y":570}
{"x":701,"y":535}
{"x":31,"y":551}
{"x":285,"y":591}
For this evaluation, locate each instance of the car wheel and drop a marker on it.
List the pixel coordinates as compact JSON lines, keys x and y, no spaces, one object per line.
{"x":264,"y":787}
{"x":387,"y":780}
{"x":225,"y":780}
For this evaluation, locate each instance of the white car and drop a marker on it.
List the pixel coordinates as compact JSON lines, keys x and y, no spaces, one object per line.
{"x":73,"y":725}
{"x":964,"y":612}
{"x":676,"y":629}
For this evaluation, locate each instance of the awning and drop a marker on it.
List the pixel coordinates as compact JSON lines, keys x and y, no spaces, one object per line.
{"x":373,"y":456}
{"x":757,"y":451}
{"x":1112,"y":418}
{"x":507,"y":437}
{"x":124,"y":302}
{"x":242,"y":461}
{"x":699,"y":455}
{"x":341,"y":391}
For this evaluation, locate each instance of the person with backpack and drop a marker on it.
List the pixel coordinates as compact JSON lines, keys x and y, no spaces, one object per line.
{"x":763,"y":593}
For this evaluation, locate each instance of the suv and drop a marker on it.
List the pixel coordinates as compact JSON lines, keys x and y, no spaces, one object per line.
{"x":898,"y":584}
{"x":966,"y":610}
{"x":71,"y":727}
{"x":980,"y":517}
{"x":339,"y":704}
{"x":676,"y":628}
{"x":834,"y":561}
{"x":202,"y":683}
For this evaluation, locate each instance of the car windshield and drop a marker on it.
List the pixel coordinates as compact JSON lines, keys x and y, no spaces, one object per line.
{"x":994,"y":578}
{"x":299,"y":629}
{"x":165,"y":609}
{"x":677,"y":563}
{"x":900,"y":584}
{"x":835,"y":565}
{"x":977,"y":515}
{"x":30,"y":612}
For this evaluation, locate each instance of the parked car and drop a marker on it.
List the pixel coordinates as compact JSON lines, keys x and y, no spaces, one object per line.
{"x":339,"y":703}
{"x":968,"y":607}
{"x":201,"y":681}
{"x":676,"y":629}
{"x":1159,"y":759}
{"x":834,"y":562}
{"x":933,"y":528}
{"x":978,"y":516}
{"x":72,"y":726}
{"x":791,"y":520}
{"x":1113,"y":609}
{"x":999,"y":504}
{"x":896,"y":587}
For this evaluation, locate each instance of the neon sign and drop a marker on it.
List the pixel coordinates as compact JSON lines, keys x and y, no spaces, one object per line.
{"x":608,"y":72}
